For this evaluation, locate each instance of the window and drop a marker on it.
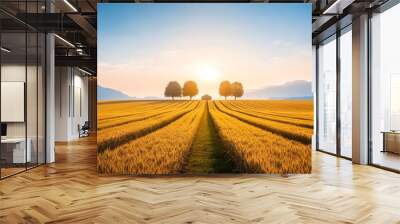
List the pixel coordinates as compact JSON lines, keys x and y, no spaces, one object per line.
{"x":385,"y":89}
{"x":346,"y":93}
{"x":394,"y":102}
{"x":327,"y":96}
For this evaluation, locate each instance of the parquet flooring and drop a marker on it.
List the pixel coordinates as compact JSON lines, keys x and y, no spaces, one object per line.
{"x":70,"y":191}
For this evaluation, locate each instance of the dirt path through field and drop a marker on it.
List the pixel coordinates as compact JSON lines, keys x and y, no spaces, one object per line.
{"x":207,"y":155}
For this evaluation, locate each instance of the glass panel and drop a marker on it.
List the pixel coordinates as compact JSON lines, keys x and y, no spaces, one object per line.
{"x":13,"y":86}
{"x":346,"y":94}
{"x":385,"y":84}
{"x":31,"y":98}
{"x":41,"y":98}
{"x":327,"y":96}
{"x":23,"y":90}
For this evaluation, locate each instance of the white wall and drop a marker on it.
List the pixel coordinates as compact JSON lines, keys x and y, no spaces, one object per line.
{"x":62,"y":82}
{"x":16,"y":73}
{"x":80,"y":109}
{"x":71,"y":103}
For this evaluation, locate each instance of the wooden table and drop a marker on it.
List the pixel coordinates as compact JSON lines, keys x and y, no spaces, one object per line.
{"x":391,"y":141}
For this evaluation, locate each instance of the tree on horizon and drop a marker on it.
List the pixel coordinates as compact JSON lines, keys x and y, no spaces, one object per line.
{"x":237,"y":89}
{"x":225,"y":89}
{"x":190,"y":89}
{"x":173,"y":90}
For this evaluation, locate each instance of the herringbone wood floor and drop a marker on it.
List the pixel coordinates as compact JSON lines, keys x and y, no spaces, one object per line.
{"x":70,"y":191}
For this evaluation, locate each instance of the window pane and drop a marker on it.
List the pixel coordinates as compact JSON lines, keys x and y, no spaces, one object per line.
{"x":23,"y":87}
{"x":327,"y":96}
{"x":386,"y":89}
{"x":13,"y":85}
{"x":41,"y":99}
{"x":346,"y":94}
{"x":31,"y":98}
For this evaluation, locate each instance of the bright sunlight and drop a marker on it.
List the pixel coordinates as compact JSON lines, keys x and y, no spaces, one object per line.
{"x":208,"y":73}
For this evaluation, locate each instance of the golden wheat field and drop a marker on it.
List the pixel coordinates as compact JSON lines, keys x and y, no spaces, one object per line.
{"x":192,"y":136}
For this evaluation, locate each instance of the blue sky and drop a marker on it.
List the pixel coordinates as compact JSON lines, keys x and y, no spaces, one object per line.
{"x":143,"y":46}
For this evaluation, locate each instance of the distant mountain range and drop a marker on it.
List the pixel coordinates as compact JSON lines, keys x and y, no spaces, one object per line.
{"x":299,"y":89}
{"x":152,"y":98}
{"x":104,"y":93}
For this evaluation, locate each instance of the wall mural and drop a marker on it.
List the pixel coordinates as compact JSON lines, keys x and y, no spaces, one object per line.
{"x":204,"y":88}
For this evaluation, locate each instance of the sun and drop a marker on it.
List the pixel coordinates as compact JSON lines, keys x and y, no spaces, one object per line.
{"x":208,"y":73}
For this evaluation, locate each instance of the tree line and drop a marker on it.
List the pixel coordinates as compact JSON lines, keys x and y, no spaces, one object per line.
{"x":190,"y":89}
